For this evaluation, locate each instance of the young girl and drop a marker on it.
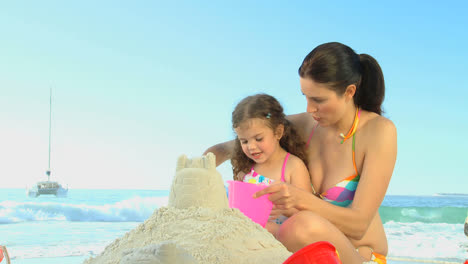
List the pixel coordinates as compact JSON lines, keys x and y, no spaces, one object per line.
{"x":266,"y":149}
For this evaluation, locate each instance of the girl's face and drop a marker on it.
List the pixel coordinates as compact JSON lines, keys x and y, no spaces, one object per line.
{"x":324,"y":104}
{"x":258,"y":141}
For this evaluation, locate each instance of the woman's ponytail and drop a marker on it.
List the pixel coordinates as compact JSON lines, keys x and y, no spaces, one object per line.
{"x":371,"y":91}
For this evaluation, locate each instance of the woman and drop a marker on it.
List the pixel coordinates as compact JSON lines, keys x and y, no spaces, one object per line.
{"x":351,"y":155}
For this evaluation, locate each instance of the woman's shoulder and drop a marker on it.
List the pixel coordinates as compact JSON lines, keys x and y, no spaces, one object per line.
{"x":303,"y":122}
{"x":377,"y":122}
{"x":300,"y":118}
{"x":377,"y":127}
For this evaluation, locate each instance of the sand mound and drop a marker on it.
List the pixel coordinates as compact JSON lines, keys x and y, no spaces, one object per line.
{"x":196,"y":227}
{"x":166,"y":252}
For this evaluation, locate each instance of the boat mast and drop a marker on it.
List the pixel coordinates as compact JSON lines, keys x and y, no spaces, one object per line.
{"x":50,"y":127}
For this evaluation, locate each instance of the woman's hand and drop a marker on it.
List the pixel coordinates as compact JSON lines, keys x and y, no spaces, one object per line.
{"x":222,"y":151}
{"x":281,"y":194}
{"x":275,"y":213}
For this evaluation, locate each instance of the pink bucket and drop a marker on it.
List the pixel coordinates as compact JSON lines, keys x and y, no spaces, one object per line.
{"x":240,"y":197}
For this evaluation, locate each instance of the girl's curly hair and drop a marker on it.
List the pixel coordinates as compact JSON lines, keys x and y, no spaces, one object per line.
{"x":267,"y":108}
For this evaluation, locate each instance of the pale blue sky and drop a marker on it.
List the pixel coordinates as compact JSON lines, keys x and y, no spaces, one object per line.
{"x":137,"y":83}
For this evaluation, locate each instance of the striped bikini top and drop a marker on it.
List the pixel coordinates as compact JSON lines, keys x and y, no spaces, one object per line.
{"x":342,"y":193}
{"x":255,"y":178}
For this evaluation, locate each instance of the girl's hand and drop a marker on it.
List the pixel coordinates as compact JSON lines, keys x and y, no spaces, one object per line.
{"x":275,"y":212}
{"x":282,"y":195}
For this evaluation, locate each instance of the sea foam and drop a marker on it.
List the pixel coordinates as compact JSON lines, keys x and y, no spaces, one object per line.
{"x":135,"y":209}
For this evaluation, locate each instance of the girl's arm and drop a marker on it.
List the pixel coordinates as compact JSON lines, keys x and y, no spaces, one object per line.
{"x":222,"y":151}
{"x":299,"y":175}
{"x":377,"y":169}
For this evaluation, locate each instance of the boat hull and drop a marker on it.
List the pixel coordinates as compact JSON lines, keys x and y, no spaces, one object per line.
{"x":47,"y":188}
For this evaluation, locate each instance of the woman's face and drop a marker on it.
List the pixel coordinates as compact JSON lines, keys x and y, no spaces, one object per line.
{"x":324,"y":104}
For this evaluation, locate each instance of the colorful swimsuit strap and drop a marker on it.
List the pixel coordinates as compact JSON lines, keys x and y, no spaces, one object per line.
{"x":253,"y":173}
{"x":350,"y":178}
{"x":307,"y":144}
{"x":311,"y":133}
{"x":358,"y":114}
{"x":284,"y":167}
{"x":354,"y":140}
{"x":354,"y":159}
{"x":342,"y":193}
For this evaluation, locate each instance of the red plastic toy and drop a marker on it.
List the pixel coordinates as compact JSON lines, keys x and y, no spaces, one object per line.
{"x":321,"y":252}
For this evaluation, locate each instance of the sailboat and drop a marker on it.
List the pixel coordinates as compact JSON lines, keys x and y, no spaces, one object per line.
{"x":48,"y":187}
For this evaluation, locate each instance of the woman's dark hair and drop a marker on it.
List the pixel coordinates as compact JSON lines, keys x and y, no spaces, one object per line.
{"x":338,"y":66}
{"x":268,"y":109}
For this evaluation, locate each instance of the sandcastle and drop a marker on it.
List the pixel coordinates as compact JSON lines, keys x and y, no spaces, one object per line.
{"x":197,"y":226}
{"x":197,"y":183}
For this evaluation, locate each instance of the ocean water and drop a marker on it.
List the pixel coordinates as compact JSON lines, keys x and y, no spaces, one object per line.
{"x":70,"y":229}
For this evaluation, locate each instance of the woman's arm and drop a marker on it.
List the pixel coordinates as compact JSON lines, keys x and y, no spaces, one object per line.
{"x":377,"y":169}
{"x":222,"y":151}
